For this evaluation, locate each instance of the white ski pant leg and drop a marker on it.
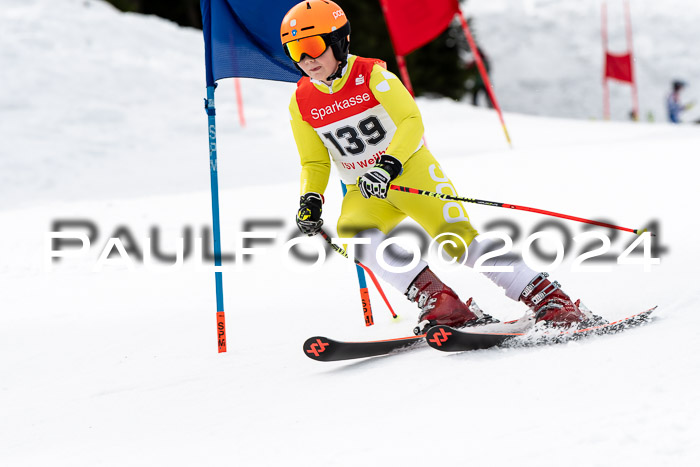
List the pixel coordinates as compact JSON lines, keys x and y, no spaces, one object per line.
{"x":394,"y":256}
{"x":513,"y":282}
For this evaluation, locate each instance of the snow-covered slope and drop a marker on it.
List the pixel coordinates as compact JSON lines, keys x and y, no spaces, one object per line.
{"x":118,"y":366}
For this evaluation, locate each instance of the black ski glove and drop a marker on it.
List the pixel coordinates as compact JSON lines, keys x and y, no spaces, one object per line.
{"x":375,"y":182}
{"x":309,"y":216}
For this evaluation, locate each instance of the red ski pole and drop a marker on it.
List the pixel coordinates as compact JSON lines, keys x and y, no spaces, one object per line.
{"x":514,"y":206}
{"x":341,"y":251}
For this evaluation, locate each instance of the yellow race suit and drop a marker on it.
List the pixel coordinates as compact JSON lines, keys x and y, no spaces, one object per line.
{"x":362,"y":115}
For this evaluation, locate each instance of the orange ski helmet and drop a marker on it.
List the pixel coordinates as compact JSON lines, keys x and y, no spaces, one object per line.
{"x":312,"y":26}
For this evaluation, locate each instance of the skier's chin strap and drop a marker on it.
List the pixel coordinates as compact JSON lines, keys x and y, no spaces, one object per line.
{"x":339,"y":71}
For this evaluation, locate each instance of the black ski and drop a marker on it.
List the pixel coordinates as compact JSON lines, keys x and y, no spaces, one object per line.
{"x":449,"y":339}
{"x":324,"y":349}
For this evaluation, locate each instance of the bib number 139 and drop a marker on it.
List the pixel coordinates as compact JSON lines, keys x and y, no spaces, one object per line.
{"x":351,"y":142}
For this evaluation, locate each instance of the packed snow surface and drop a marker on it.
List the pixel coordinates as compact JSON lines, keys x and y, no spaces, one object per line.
{"x":113,"y":361}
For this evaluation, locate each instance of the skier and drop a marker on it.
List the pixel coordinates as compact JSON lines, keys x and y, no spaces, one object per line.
{"x":475,"y":82}
{"x":673,"y":102}
{"x":351,"y":110}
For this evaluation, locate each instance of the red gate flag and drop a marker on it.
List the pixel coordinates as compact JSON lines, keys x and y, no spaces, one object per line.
{"x":414,"y":23}
{"x":619,"y":67}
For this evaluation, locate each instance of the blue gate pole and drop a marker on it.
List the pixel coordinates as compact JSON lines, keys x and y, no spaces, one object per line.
{"x":216,"y":227}
{"x":364,"y":291}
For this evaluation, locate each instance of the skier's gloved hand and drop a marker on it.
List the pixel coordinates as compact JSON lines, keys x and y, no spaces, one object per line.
{"x":309,"y":216}
{"x":375,"y":182}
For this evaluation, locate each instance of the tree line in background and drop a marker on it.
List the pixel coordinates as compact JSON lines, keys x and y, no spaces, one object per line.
{"x":435,"y":69}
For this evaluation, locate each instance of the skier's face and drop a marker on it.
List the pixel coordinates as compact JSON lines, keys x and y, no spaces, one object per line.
{"x":321,"y":67}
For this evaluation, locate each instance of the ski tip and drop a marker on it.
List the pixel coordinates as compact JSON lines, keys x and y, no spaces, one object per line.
{"x":651,"y":310}
{"x":648,"y":311}
{"x":316,"y":347}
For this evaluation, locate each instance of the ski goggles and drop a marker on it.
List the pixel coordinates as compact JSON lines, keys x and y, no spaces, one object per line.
{"x":313,"y":46}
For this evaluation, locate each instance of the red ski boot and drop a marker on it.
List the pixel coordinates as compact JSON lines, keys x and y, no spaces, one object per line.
{"x":551,"y":305}
{"x":439,"y":304}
